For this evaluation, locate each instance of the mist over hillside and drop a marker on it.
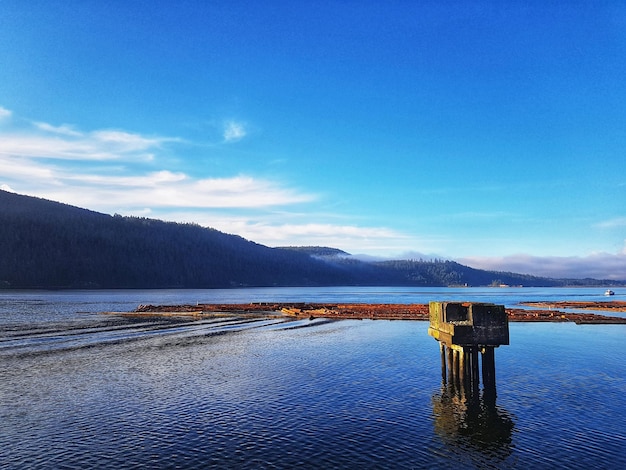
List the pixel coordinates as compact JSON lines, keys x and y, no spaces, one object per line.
{"x":45,"y":244}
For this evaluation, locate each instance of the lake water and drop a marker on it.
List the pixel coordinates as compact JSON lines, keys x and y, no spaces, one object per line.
{"x":79,"y":389}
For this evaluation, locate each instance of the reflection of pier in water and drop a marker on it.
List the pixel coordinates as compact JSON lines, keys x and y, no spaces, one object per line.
{"x":463,"y":415}
{"x":473,"y":424}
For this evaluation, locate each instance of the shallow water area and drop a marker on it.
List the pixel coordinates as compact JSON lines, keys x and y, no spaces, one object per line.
{"x":90,"y":391}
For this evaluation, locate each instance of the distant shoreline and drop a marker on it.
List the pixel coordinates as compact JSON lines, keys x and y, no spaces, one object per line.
{"x":545,"y":311}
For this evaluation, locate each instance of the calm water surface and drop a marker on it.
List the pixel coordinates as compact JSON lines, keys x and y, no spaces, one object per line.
{"x":83,"y":390}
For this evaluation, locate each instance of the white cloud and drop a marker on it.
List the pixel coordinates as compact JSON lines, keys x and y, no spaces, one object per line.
{"x":126,"y":141}
{"x":234,"y":131}
{"x":66,"y":144}
{"x":43,"y":140}
{"x":326,"y":231}
{"x":161,"y":189}
{"x":25,"y":172}
{"x":123,"y":182}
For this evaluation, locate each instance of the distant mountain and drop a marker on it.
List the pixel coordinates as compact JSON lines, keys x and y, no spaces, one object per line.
{"x":451,"y":273}
{"x":45,"y":244}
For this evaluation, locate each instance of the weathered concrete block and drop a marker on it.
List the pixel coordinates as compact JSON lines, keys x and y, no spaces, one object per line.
{"x":468,"y":323}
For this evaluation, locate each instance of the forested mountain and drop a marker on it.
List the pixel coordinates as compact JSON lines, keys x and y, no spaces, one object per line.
{"x":45,"y":244}
{"x":451,"y":273}
{"x":48,"y":244}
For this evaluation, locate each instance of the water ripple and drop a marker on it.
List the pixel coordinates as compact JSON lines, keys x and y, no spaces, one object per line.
{"x":273,"y":393}
{"x":29,"y":341}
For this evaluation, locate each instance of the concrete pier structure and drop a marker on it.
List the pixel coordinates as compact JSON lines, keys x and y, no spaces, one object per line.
{"x":464,"y":330}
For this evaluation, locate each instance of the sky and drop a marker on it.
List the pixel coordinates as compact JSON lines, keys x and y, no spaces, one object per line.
{"x":490,"y":133}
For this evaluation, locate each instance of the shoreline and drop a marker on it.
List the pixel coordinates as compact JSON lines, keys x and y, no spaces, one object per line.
{"x":545,"y":311}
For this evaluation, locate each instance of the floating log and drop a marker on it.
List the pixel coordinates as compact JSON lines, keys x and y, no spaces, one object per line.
{"x":362,"y":311}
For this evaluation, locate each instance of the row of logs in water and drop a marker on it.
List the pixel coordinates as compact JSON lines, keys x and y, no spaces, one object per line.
{"x":460,"y":366}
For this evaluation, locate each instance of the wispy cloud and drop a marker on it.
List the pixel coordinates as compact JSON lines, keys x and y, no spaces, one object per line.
{"x":4,"y":114}
{"x":110,"y":191}
{"x":319,"y":231}
{"x":234,"y":131}
{"x":66,"y":143}
{"x":63,"y":129}
{"x":612,"y":223}
{"x":269,"y":230}
{"x":57,"y":162}
{"x":166,"y":190}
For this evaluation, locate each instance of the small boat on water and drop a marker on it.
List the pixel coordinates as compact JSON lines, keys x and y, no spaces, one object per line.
{"x":609,"y":292}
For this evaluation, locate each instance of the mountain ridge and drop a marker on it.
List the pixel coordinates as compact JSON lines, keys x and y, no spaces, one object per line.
{"x":51,"y":245}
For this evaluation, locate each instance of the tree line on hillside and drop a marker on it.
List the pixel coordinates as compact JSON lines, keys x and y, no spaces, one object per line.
{"x":128,"y":252}
{"x":451,"y":273}
{"x":44,"y":244}
{"x":47,"y":244}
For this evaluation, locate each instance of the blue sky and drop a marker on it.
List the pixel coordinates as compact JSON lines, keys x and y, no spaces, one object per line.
{"x":492,"y":133}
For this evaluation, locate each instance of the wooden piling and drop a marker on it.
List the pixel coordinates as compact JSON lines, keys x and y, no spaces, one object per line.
{"x":461,"y":365}
{"x":442,"y":351}
{"x":474,"y":374}
{"x":489,"y":367}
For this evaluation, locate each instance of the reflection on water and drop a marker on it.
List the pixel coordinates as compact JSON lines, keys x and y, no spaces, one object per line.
{"x":81,"y":390}
{"x":469,"y":421}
